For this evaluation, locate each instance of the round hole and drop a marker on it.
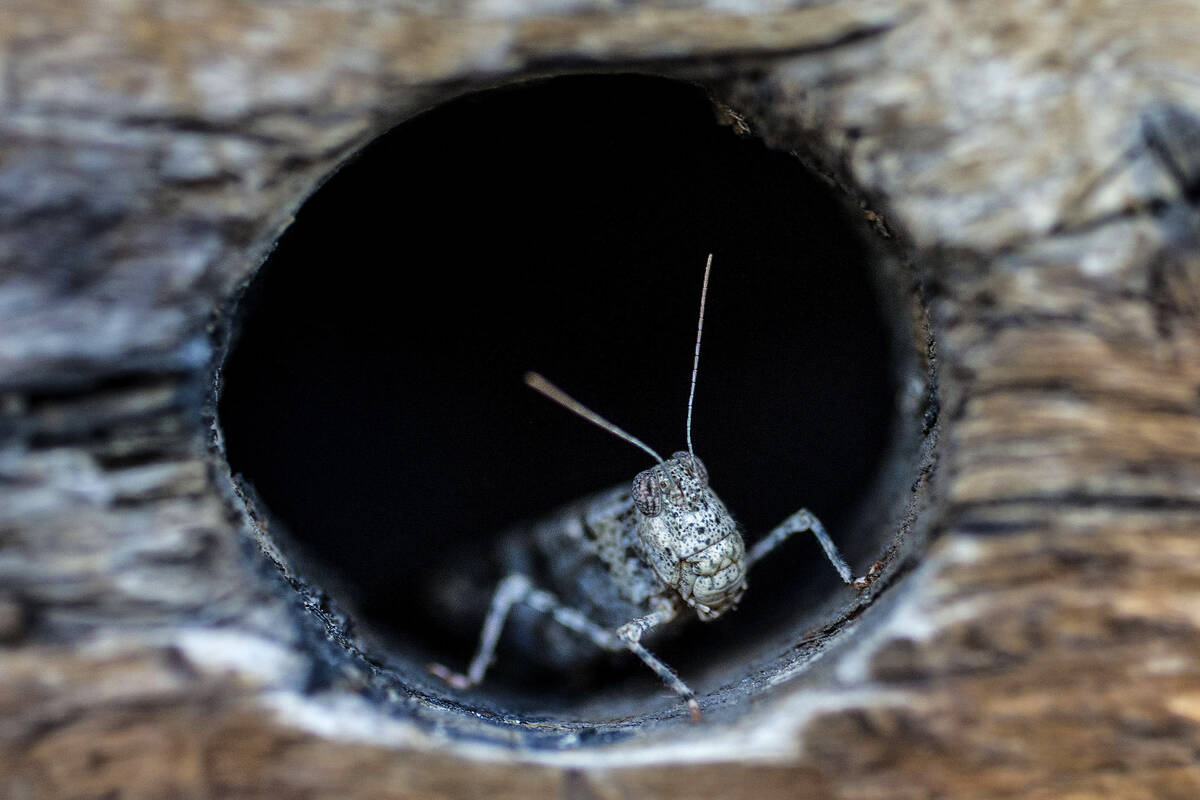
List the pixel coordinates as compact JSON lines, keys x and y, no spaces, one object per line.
{"x":372,"y":396}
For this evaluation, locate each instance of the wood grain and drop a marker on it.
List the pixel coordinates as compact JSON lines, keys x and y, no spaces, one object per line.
{"x":1040,"y":161}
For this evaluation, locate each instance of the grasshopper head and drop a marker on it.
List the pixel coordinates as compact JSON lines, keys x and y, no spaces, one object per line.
{"x":691,"y":537}
{"x":679,"y":482}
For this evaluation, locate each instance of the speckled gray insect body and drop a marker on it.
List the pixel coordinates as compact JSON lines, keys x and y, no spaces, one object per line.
{"x":620,"y":564}
{"x":688,"y":536}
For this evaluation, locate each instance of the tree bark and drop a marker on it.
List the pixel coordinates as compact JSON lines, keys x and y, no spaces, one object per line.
{"x":1040,"y":160}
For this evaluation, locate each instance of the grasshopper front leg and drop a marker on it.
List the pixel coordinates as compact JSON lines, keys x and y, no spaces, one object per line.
{"x":805,"y":520}
{"x":631,"y":634}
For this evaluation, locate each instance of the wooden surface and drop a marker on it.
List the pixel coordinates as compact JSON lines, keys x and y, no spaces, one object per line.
{"x":1043,"y":161}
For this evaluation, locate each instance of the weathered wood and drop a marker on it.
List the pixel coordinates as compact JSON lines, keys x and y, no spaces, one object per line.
{"x":1040,"y":158}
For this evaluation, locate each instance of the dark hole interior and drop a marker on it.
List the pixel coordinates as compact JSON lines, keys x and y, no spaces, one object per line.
{"x":373,"y":394}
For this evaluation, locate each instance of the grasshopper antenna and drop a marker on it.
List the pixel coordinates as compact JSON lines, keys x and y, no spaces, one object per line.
{"x":696,"y":360}
{"x":535,"y":381}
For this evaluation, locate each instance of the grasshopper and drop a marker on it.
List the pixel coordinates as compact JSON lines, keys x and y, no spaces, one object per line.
{"x":629,"y":561}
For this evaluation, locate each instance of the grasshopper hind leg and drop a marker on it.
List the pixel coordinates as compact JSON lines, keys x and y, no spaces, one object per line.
{"x":516,"y":588}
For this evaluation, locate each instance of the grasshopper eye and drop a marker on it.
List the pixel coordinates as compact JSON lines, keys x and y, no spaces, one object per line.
{"x":645,"y":494}
{"x":694,"y":464}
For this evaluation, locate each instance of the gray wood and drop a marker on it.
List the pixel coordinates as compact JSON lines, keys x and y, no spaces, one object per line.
{"x":1041,"y":161}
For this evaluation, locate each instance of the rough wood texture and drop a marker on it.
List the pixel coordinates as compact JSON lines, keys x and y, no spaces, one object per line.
{"x":1042,"y":158}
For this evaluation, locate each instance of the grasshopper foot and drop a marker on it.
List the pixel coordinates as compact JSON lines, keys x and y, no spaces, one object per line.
{"x":869,"y":578}
{"x":455,"y":679}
